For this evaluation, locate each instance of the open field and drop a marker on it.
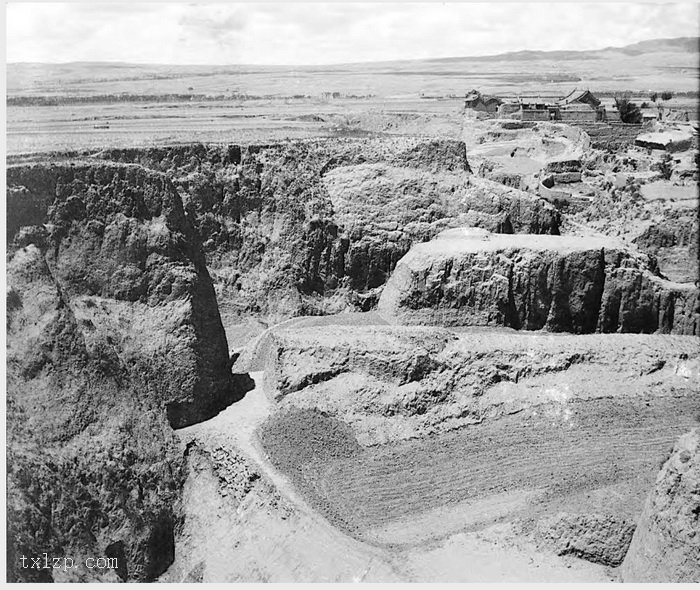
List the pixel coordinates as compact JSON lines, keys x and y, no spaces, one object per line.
{"x":550,"y":453}
{"x":155,"y":105}
{"x":81,"y":127}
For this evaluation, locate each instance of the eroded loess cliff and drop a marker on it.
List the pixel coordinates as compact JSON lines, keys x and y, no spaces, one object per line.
{"x":666,"y":544}
{"x":317,"y":226}
{"x":674,"y":244}
{"x":392,"y":383}
{"x":558,"y":283}
{"x":114,"y":338}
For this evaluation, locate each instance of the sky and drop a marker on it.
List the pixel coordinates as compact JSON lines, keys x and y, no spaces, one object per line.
{"x":291,"y":33}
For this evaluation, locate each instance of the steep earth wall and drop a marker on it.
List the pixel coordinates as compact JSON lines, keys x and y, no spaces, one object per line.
{"x":666,"y":544}
{"x":600,"y":538}
{"x":317,"y":226}
{"x":674,"y":244}
{"x":395,"y":382}
{"x":559,"y":283}
{"x":114,"y":337}
{"x":611,"y":136}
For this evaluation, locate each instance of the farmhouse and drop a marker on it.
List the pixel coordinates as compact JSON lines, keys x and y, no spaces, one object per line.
{"x":479,"y":102}
{"x":580,"y":105}
{"x":536,"y":111}
{"x":578,"y":112}
{"x":579,"y":97}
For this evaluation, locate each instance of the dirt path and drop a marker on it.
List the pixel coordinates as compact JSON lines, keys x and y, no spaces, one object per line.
{"x":236,"y":427}
{"x":252,"y":540}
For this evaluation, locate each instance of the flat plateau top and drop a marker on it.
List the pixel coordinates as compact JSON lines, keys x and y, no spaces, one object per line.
{"x":455,"y":242}
{"x":666,"y":136}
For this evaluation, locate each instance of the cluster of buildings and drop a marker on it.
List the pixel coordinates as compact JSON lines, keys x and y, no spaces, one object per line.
{"x":578,"y":106}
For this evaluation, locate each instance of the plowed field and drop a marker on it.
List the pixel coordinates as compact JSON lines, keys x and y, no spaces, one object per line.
{"x":518,"y":465}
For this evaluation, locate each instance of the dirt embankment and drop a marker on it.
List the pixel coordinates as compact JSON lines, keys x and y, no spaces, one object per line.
{"x":287,"y":229}
{"x":402,"y":436}
{"x":665,"y":546}
{"x":559,"y":283}
{"x":394,"y":383}
{"x":114,"y":337}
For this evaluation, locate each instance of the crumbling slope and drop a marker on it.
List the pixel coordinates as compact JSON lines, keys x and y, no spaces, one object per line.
{"x":559,"y":283}
{"x":394,"y":382}
{"x":113,"y":337}
{"x":666,"y":544}
{"x":318,"y":226}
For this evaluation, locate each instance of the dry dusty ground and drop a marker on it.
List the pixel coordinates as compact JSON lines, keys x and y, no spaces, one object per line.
{"x":417,"y":490}
{"x":459,"y":506}
{"x":275,"y":535}
{"x":79,"y":127}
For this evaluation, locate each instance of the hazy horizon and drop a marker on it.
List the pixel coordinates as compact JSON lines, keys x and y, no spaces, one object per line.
{"x":324,"y":34}
{"x":223,"y":65}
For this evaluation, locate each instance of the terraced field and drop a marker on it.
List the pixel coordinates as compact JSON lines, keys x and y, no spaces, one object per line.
{"x":600,"y":455}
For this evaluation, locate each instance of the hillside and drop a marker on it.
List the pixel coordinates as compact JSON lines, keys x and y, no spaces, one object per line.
{"x":662,"y":63}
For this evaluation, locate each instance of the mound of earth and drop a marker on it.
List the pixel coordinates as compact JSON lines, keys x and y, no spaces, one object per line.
{"x":468,"y":277}
{"x":666,"y":544}
{"x":514,"y":152}
{"x":411,"y":205}
{"x":600,"y":538}
{"x":672,"y":140}
{"x":394,"y":383}
{"x":114,"y":337}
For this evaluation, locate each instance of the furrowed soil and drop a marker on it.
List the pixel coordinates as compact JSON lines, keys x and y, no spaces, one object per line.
{"x":586,"y":456}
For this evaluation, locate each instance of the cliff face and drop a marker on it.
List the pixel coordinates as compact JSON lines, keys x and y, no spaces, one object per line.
{"x":396,"y":382}
{"x":317,"y":226}
{"x":569,"y":284}
{"x":114,"y":337}
{"x":665,"y":546}
{"x":674,"y":244}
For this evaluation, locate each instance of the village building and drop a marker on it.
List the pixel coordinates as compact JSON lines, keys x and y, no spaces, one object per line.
{"x":581,"y":97}
{"x":578,"y":112}
{"x":482,"y":103}
{"x":508,"y":108}
{"x":580,"y":106}
{"x":534,"y":111}
{"x":612,"y":115}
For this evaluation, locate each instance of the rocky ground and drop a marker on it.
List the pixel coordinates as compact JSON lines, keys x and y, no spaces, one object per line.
{"x":481,"y":344}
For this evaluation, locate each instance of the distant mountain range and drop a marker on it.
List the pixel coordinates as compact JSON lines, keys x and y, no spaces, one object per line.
{"x":661,"y":64}
{"x":676,"y":45}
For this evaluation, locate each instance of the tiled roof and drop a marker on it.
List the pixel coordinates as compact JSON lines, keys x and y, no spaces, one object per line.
{"x":576,"y":96}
